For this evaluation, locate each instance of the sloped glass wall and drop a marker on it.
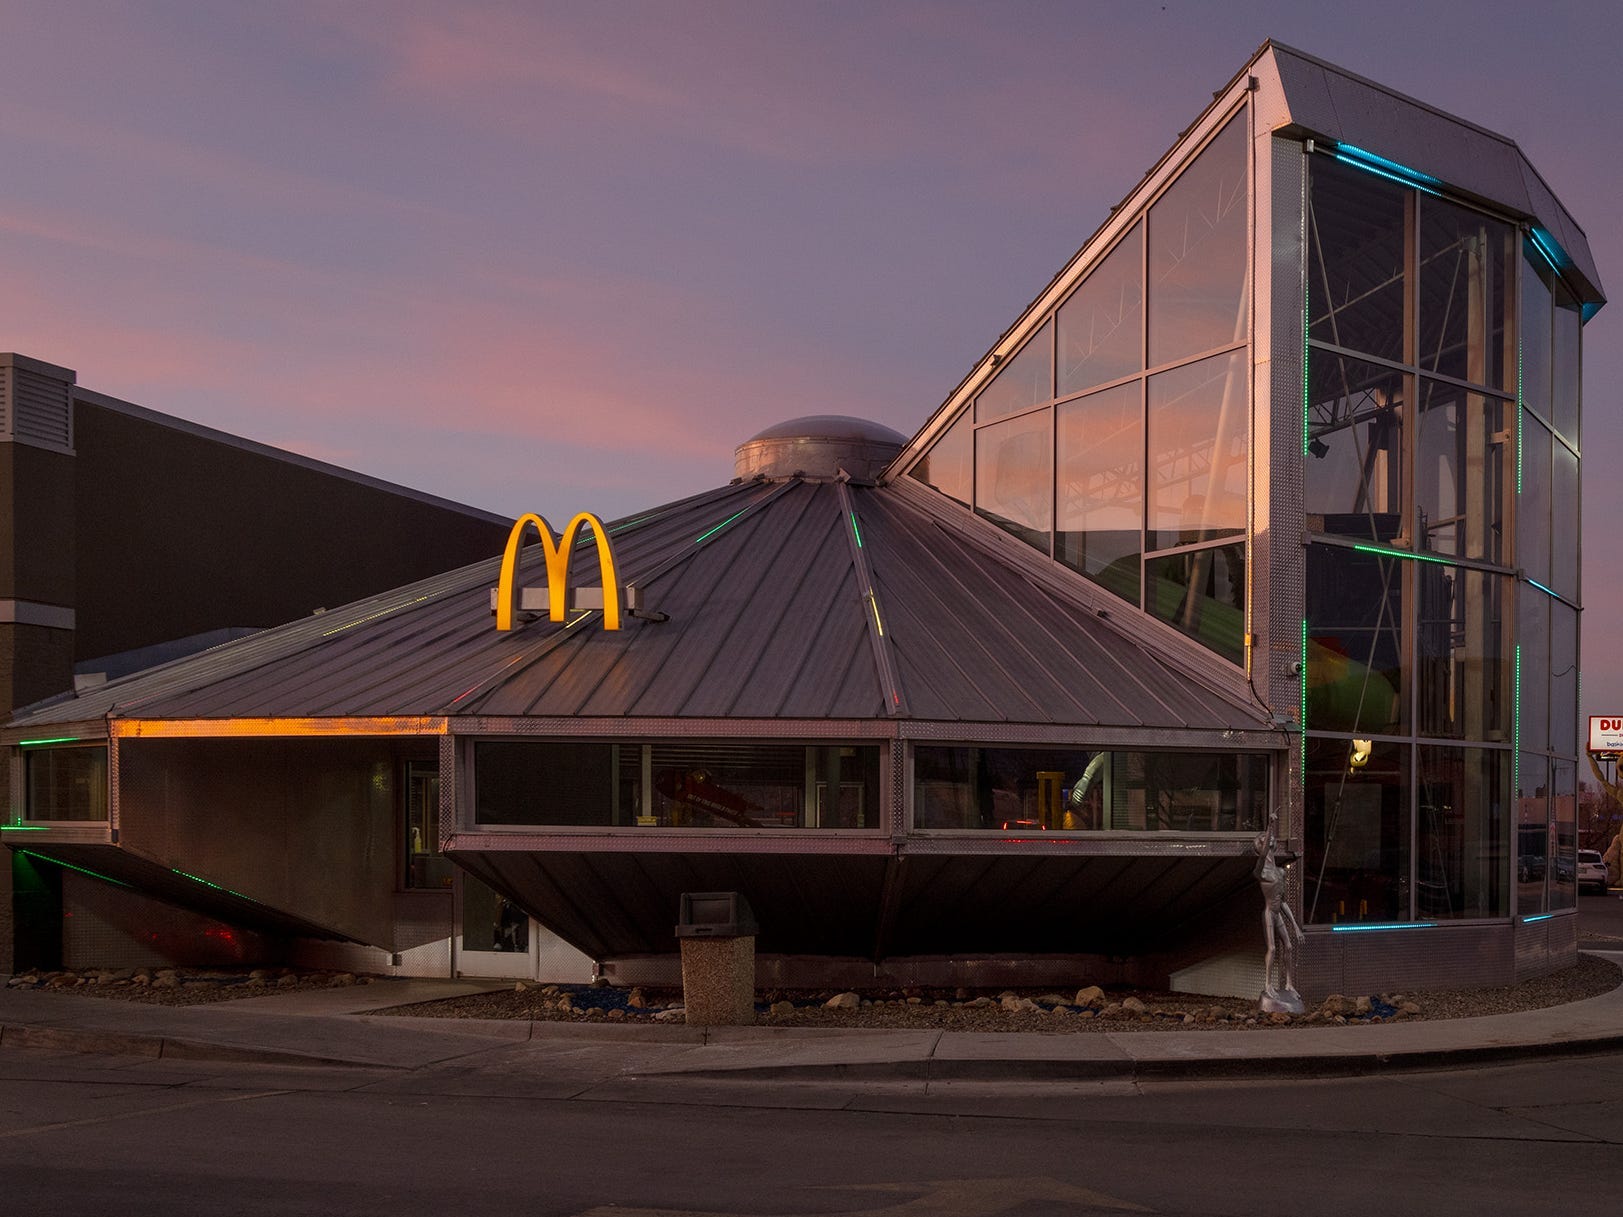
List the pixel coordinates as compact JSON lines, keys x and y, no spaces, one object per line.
{"x":1117,"y":438}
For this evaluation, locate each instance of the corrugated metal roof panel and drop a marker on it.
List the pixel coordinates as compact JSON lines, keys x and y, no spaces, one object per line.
{"x":768,"y":618}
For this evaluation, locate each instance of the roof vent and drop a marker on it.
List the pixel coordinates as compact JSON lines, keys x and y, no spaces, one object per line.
{"x":819,"y":448}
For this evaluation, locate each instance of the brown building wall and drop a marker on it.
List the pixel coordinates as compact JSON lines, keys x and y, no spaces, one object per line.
{"x":179,"y":533}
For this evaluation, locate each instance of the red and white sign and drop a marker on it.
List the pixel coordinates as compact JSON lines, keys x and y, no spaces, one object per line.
{"x":1606,"y":733}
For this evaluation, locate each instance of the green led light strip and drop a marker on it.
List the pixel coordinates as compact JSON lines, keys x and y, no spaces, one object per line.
{"x":21,"y":827}
{"x":1303,"y":708}
{"x":1306,"y":392}
{"x":215,"y":886}
{"x":706,"y":536}
{"x":855,"y":531}
{"x":1402,"y":553}
{"x":83,"y":870}
{"x":61,"y":739}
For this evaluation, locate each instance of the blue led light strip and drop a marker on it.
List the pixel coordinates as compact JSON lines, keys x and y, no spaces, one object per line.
{"x":1542,"y":588}
{"x":1402,"y":177}
{"x":1548,"y":248}
{"x":1385,"y":925}
{"x":1537,"y":917}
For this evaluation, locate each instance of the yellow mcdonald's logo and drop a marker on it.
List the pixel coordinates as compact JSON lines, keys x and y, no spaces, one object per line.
{"x":558,"y":550}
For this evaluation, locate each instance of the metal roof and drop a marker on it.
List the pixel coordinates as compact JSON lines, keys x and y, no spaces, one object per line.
{"x":789,"y":599}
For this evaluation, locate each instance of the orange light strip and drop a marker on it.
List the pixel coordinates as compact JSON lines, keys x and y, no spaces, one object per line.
{"x":173,"y":728}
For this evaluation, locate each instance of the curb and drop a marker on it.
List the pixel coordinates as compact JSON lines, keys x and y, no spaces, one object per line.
{"x":162,"y":1047}
{"x":1180,"y":1069}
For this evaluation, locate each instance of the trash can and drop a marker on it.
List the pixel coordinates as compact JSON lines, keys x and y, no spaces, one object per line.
{"x":717,"y":933}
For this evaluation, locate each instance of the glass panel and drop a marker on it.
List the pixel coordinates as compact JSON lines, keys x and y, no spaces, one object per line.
{"x":1564,"y":520}
{"x":1534,"y":501}
{"x":542,"y":782}
{"x":1101,"y":326}
{"x":426,"y":867}
{"x":1564,"y":805}
{"x":1074,"y":789}
{"x":1353,"y":486}
{"x":1355,"y":280}
{"x":1197,"y":441}
{"x":1566,"y":387}
{"x":1014,"y":476}
{"x":1355,"y":642}
{"x":1466,"y":283}
{"x":1537,"y":347}
{"x":1199,"y":264}
{"x":1461,"y":864}
{"x":1563,"y":678}
{"x":490,"y":921}
{"x":1025,"y":380}
{"x":67,"y":783}
{"x":949,"y":465}
{"x":1356,"y":831}
{"x":748,"y":784}
{"x":1101,"y":487}
{"x":1533,"y":834}
{"x":1533,"y":637}
{"x":1460,"y":488}
{"x":1202,"y":593}
{"x":1463,"y":661}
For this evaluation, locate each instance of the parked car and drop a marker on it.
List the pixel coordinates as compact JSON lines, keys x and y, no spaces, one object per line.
{"x":1592,"y":873}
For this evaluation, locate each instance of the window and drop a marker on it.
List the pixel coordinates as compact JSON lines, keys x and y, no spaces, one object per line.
{"x":67,"y":783}
{"x":426,"y":867}
{"x":1199,"y":297}
{"x":743,"y":784}
{"x":1081,"y":790}
{"x":1100,"y":470}
{"x":1357,"y":822}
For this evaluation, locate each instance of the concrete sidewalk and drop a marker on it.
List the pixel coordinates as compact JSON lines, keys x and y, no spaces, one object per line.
{"x":331,"y":1028}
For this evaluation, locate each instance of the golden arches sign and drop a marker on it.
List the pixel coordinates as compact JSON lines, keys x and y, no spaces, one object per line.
{"x":558,"y":550}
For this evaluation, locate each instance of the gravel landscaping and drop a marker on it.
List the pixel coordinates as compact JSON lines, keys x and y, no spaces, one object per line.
{"x":183,"y":986}
{"x":1088,"y":1009}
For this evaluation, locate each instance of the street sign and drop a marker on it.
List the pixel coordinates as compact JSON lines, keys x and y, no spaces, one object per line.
{"x":1606,"y":733}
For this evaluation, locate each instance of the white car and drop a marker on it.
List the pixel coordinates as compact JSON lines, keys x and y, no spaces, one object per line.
{"x":1592,"y":871}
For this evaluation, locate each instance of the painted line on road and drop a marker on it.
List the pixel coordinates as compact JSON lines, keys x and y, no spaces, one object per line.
{"x":144,"y":1111}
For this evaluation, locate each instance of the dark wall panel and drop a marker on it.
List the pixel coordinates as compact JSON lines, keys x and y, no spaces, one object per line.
{"x":179,"y":534}
{"x":306,"y":826}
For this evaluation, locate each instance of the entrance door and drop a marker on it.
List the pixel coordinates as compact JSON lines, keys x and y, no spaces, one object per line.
{"x":493,"y":936}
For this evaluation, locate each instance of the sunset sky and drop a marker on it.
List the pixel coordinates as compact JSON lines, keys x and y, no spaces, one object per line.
{"x":541,"y":256}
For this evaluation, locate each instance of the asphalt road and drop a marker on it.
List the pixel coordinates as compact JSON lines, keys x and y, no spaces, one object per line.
{"x":527,"y":1132}
{"x":1600,"y":921}
{"x":551,"y":1129}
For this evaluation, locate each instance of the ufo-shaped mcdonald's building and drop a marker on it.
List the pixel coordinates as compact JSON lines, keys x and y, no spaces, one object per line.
{"x":1266,"y":503}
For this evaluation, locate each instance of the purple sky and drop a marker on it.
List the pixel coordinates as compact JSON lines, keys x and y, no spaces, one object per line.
{"x":558,"y":256}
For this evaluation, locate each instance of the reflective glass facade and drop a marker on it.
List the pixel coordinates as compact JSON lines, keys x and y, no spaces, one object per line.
{"x":1439,"y":413}
{"x":1117,"y":438}
{"x":1438,"y":678}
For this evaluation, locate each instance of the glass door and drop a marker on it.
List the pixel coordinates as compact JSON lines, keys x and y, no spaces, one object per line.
{"x":494,"y":937}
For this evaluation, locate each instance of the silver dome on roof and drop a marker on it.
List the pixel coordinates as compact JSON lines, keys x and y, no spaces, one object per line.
{"x":818,"y":447}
